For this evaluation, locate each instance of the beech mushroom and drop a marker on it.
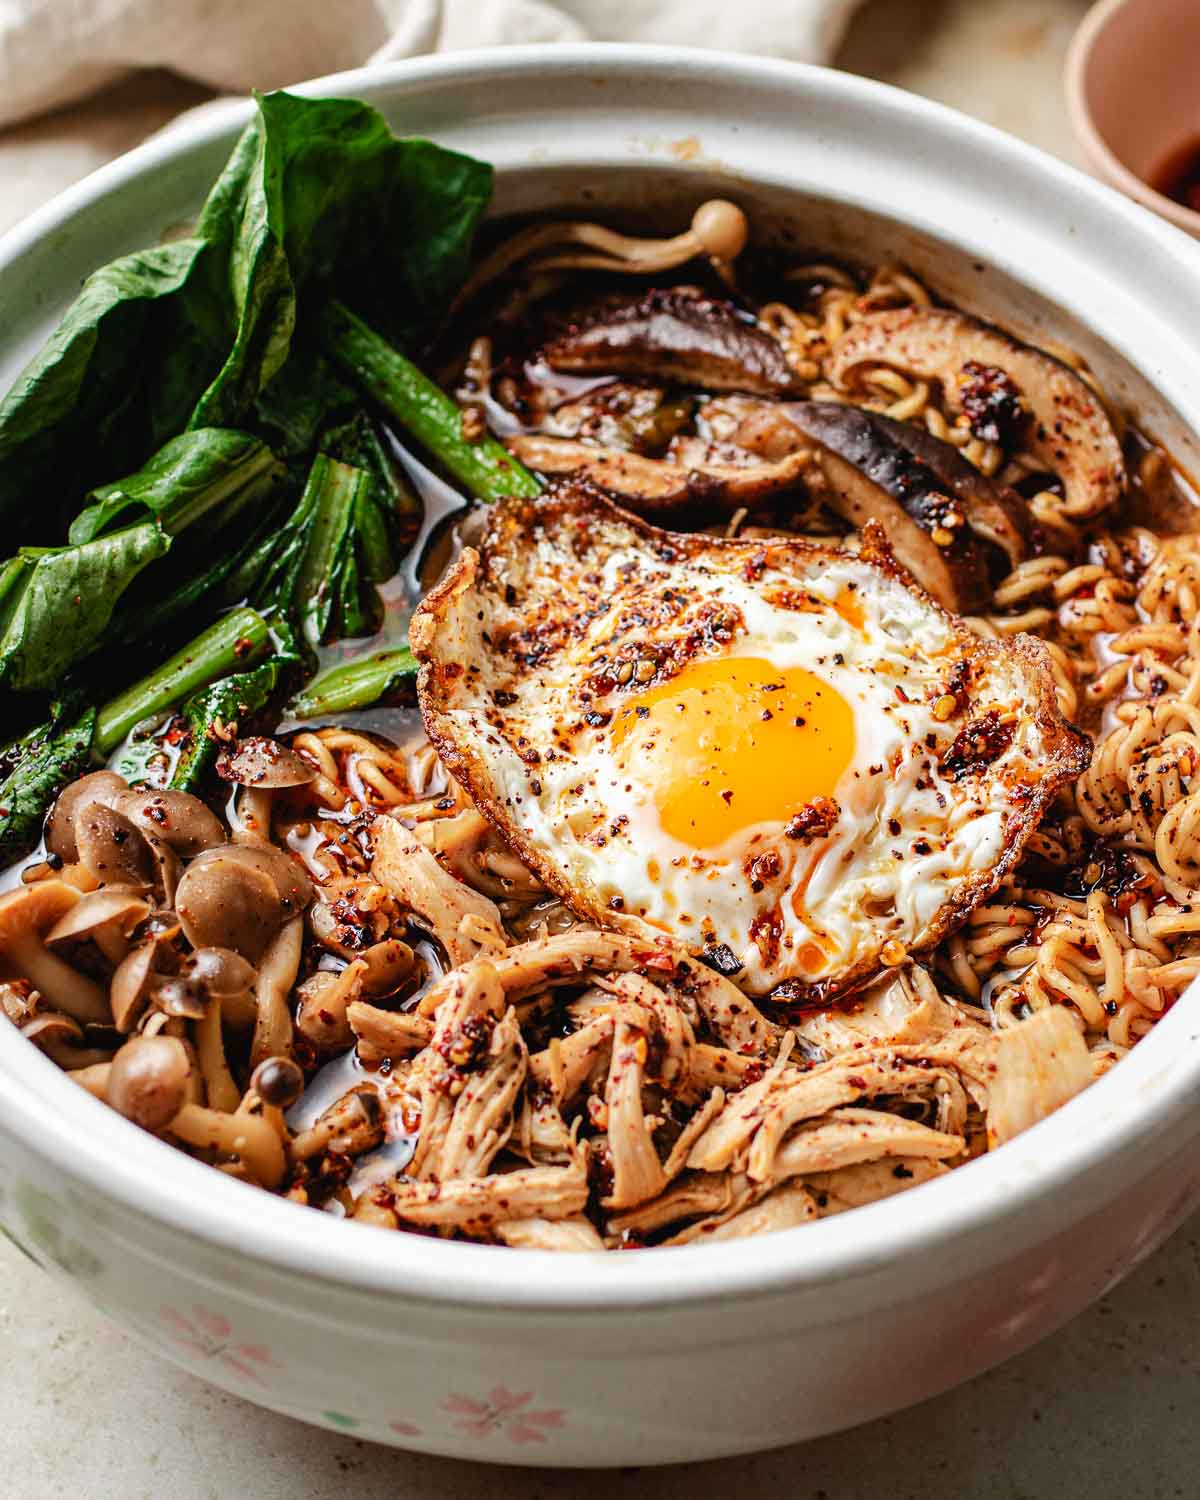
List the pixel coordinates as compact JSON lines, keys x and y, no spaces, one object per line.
{"x":229,"y":903}
{"x":183,"y":822}
{"x":276,"y":976}
{"x":1069,"y":430}
{"x":287,"y":875}
{"x":25,"y":914}
{"x":149,"y":1083}
{"x":354,"y":1123}
{"x":228,"y":980}
{"x":278,"y":1081}
{"x":106,"y":917}
{"x":718,"y":233}
{"x":98,"y":786}
{"x":129,"y":989}
{"x":261,"y":762}
{"x":220,"y":1089}
{"x":113,"y":848}
{"x":677,"y":336}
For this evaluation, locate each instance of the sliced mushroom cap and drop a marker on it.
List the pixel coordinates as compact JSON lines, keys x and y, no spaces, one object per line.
{"x":183,"y":822}
{"x":286,"y":874}
{"x":656,"y":486}
{"x":149,"y":1079}
{"x":99,"y":786}
{"x":672,"y":334}
{"x":24,"y":915}
{"x":106,"y":917}
{"x":871,"y":476}
{"x":258,"y":761}
{"x":229,"y":903}
{"x":1070,"y":432}
{"x":995,"y":513}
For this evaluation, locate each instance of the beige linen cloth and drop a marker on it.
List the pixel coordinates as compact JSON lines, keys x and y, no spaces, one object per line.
{"x":115,"y":70}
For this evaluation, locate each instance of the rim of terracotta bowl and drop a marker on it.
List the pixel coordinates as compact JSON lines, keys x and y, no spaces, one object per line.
{"x":1123,"y":1125}
{"x":1101,"y":154}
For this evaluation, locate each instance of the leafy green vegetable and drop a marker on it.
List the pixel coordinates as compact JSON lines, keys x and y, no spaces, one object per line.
{"x":321,"y":191}
{"x":231,"y":700}
{"x":61,"y":608}
{"x":185,"y":479}
{"x":310,"y":572}
{"x":355,"y":684}
{"x":57,"y":604}
{"x":47,"y":759}
{"x":203,"y":371}
{"x":318,"y":192}
{"x":486,"y":468}
{"x":237,"y":640}
{"x":117,"y":377}
{"x":304,"y":398}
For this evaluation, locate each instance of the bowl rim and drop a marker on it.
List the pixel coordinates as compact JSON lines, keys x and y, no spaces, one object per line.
{"x":1079,"y":107}
{"x":1130,"y":1110}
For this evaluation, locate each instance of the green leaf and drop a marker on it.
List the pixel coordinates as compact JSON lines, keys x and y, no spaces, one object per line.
{"x":117,"y":377}
{"x":301,"y":400}
{"x":321,"y":191}
{"x":232,"y":700}
{"x":49,"y":758}
{"x":189,"y":476}
{"x":66,"y":601}
{"x":386,"y":223}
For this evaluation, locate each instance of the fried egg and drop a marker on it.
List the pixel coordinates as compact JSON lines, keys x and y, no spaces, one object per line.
{"x":782,"y":754}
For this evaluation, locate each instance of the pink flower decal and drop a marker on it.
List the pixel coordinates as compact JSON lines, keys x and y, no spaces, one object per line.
{"x":405,"y":1429}
{"x":503,"y":1411}
{"x":208,"y":1335}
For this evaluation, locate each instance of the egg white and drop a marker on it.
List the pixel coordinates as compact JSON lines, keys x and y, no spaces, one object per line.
{"x":909,"y":837}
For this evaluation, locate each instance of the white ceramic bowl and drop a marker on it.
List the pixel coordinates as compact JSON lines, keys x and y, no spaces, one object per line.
{"x":689,"y":1353}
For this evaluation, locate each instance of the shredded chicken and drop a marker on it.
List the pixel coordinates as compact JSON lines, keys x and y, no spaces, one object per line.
{"x":1040,"y":1064}
{"x":463,"y":921}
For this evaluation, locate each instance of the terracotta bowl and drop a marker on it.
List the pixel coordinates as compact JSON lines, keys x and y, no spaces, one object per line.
{"x":1133,"y":94}
{"x":688,"y":1353}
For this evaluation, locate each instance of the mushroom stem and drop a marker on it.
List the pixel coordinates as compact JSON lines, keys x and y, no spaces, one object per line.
{"x":718,"y":232}
{"x":276,"y":976}
{"x":61,"y":985}
{"x":253,"y":814}
{"x":220,"y":1089}
{"x":246,"y":1136}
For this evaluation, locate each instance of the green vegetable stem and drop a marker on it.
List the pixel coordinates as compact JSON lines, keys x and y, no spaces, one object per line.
{"x":486,"y":469}
{"x":355,"y":684}
{"x":237,"y":640}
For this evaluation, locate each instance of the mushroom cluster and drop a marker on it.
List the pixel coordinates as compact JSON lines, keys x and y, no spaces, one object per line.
{"x":153,"y":952}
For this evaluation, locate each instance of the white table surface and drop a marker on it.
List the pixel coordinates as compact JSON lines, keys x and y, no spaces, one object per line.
{"x":1106,"y":1408}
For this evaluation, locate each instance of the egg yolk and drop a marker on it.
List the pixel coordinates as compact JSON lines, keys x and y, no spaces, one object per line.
{"x":733,"y":742}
